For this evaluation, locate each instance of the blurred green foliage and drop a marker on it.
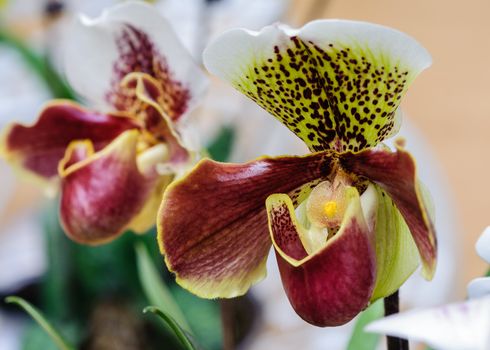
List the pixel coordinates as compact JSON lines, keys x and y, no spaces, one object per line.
{"x":220,"y":148}
{"x":185,"y":339}
{"x":156,"y":291}
{"x":56,"y":337}
{"x":361,"y":340}
{"x":80,"y":277}
{"x":40,"y":65}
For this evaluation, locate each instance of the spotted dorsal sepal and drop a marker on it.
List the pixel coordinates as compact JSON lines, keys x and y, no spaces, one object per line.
{"x":335,"y":84}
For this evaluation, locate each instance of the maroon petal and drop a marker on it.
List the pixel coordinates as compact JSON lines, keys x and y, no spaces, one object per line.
{"x":395,"y":172}
{"x":102,"y":192}
{"x":40,"y":147}
{"x":212,"y":224}
{"x":333,"y":285}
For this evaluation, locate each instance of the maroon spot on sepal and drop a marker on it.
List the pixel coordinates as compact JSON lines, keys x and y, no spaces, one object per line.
{"x":41,"y":146}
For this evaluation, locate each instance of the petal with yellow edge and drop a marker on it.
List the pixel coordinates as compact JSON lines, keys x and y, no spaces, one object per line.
{"x":149,"y":107}
{"x":395,"y":173}
{"x":148,"y":163}
{"x":212,"y":225}
{"x":332,"y":285}
{"x":145,"y":220}
{"x":102,"y":191}
{"x":40,"y":147}
{"x":336,"y":84}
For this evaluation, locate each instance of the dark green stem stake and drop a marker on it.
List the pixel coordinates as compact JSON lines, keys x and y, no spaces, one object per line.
{"x":392,"y":306}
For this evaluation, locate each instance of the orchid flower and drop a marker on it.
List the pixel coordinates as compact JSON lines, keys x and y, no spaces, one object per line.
{"x":459,"y":326}
{"x":113,"y":164}
{"x":345,"y":221}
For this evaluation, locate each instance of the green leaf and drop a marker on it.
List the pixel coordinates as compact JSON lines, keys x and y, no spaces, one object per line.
{"x":361,"y":340}
{"x":56,"y":337}
{"x":488,"y":273}
{"x":55,"y":287}
{"x":220,"y":147}
{"x":181,"y":334}
{"x":40,"y":65}
{"x":204,"y":317}
{"x":155,"y":290}
{"x":34,"y":338}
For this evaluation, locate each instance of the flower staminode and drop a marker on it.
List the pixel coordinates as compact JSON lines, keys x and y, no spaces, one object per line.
{"x":330,"y":209}
{"x":327,"y":202}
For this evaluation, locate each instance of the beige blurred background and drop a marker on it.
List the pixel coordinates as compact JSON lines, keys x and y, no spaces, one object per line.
{"x":449,"y":102}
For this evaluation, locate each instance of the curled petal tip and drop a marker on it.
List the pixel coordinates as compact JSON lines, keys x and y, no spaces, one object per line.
{"x":479,"y":287}
{"x":395,"y":173}
{"x":483,"y":245}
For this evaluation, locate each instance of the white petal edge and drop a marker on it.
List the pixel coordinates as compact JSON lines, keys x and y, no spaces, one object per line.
{"x":460,"y":326}
{"x":479,"y":287}
{"x":231,"y":52}
{"x":90,"y":50}
{"x":483,"y":245}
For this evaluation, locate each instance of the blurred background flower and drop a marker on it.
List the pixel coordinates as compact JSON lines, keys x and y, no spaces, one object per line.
{"x":446,"y":125}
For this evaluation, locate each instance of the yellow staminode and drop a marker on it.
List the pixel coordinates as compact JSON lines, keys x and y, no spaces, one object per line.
{"x":330,"y":209}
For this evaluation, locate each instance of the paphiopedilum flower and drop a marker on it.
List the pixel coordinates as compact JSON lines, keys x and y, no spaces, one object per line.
{"x":459,"y":326}
{"x":113,"y":164}
{"x":346,"y":220}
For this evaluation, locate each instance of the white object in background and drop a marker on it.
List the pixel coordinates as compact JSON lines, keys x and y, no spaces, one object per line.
{"x":197,"y":22}
{"x":22,"y":256}
{"x":23,"y":95}
{"x":11,"y":329}
{"x":460,"y":326}
{"x":22,"y":260}
{"x":417,"y":291}
{"x":481,"y":286}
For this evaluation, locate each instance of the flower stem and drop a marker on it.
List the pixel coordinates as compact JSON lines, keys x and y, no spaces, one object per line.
{"x":228,"y":323}
{"x":392,"y":306}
